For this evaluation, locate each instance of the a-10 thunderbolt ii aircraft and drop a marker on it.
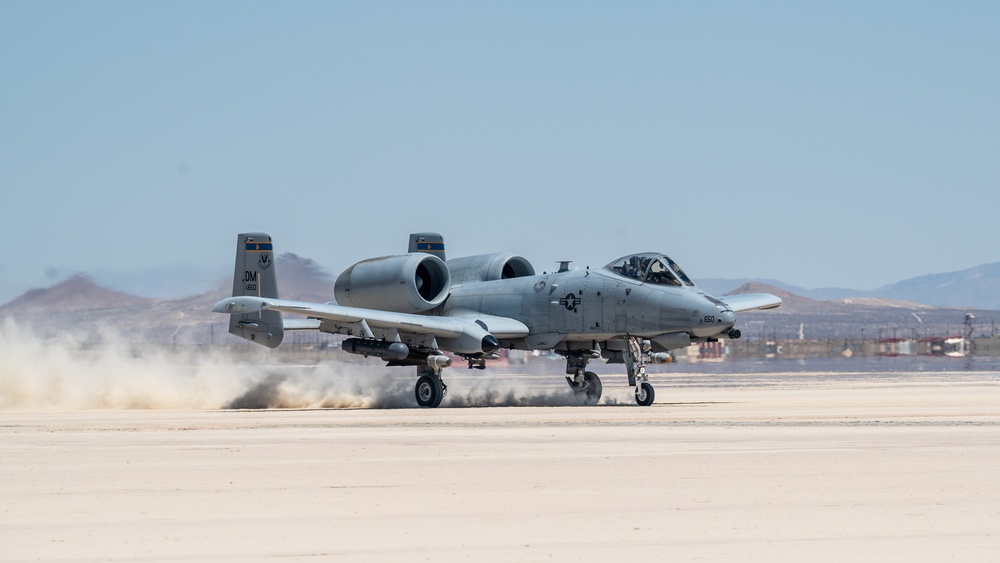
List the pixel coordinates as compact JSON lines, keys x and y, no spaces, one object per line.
{"x":411,"y":308}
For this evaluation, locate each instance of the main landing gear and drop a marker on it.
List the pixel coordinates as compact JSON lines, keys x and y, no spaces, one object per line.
{"x":430,"y":389}
{"x":637,"y":355}
{"x":585,"y":384}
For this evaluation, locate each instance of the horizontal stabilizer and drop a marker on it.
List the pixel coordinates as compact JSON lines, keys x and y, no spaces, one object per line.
{"x":751,"y":301}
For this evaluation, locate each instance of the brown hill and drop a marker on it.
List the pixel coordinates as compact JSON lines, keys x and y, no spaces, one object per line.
{"x":78,"y":293}
{"x":79,"y":305}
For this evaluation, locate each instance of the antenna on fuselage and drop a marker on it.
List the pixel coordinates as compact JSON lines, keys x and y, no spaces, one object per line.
{"x":564,"y":266}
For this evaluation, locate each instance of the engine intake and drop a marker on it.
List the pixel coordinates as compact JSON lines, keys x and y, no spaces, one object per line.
{"x":410,"y":283}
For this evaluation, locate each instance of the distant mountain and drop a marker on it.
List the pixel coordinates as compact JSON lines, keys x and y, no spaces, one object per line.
{"x":78,"y":293}
{"x":80,"y":305}
{"x":724,"y":286}
{"x":977,"y":288}
{"x":857,"y":317}
{"x":789,"y":300}
{"x":162,"y":282}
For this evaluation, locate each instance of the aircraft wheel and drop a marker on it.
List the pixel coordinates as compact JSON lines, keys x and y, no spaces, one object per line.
{"x":592,"y":390}
{"x":589,"y":391}
{"x":644,"y":394}
{"x":429,"y":391}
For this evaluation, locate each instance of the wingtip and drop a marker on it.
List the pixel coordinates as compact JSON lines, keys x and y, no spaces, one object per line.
{"x":239,"y":305}
{"x":224,"y":306}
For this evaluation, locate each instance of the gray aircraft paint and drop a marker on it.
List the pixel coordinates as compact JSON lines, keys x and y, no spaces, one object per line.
{"x":587,"y":305}
{"x":409,"y":308}
{"x":254,"y":275}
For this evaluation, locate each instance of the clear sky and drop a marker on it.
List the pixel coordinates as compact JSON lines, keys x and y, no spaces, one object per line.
{"x":847,"y":144}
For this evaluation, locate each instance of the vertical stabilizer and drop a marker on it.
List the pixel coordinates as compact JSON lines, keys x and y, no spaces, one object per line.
{"x":431,"y":243}
{"x":254,"y":275}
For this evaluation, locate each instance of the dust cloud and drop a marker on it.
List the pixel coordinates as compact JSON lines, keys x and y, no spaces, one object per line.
{"x":536,"y":391}
{"x":328,"y":386}
{"x":69,"y":373}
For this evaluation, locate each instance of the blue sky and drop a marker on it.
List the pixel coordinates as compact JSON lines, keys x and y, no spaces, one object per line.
{"x":847,"y":144}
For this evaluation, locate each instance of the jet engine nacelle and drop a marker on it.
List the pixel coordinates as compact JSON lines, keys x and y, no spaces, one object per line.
{"x":410,"y":283}
{"x":489,"y":267}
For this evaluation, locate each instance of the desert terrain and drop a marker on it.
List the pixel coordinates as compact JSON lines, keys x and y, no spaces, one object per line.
{"x":805,"y":466}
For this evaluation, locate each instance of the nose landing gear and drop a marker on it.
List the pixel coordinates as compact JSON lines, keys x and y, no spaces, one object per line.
{"x":637,"y":355}
{"x":644,"y":394}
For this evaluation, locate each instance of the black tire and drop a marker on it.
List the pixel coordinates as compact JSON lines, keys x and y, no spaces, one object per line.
{"x":593,"y":388}
{"x":429,"y":391}
{"x":588,"y":392}
{"x":644,"y":394}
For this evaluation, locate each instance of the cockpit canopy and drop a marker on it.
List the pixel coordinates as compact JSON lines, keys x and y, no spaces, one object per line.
{"x":650,"y":267}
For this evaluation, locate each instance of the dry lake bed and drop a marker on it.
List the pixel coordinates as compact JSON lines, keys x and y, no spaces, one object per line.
{"x":757,"y":468}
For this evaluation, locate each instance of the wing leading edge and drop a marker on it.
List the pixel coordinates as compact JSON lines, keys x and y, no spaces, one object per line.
{"x":451,"y":327}
{"x":751,"y":301}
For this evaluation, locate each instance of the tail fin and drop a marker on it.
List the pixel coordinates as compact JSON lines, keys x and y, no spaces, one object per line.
{"x":254,"y":275}
{"x":431,"y":243}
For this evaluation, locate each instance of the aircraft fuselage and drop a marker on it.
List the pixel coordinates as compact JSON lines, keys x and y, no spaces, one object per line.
{"x":412,"y":309}
{"x":591,"y":305}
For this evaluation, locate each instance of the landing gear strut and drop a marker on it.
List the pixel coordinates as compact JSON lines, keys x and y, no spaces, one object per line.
{"x":637,"y":355}
{"x":586,"y":384}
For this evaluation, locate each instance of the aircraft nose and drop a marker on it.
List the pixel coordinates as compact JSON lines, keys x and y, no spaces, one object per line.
{"x":723,"y":315}
{"x":728,"y":317}
{"x":490,"y":344}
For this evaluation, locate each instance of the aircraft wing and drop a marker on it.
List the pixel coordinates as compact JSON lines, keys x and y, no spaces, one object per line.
{"x":441,"y":327}
{"x":751,"y":301}
{"x":500,"y":327}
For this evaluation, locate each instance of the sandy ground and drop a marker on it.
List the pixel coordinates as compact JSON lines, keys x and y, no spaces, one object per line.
{"x":903,"y":471}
